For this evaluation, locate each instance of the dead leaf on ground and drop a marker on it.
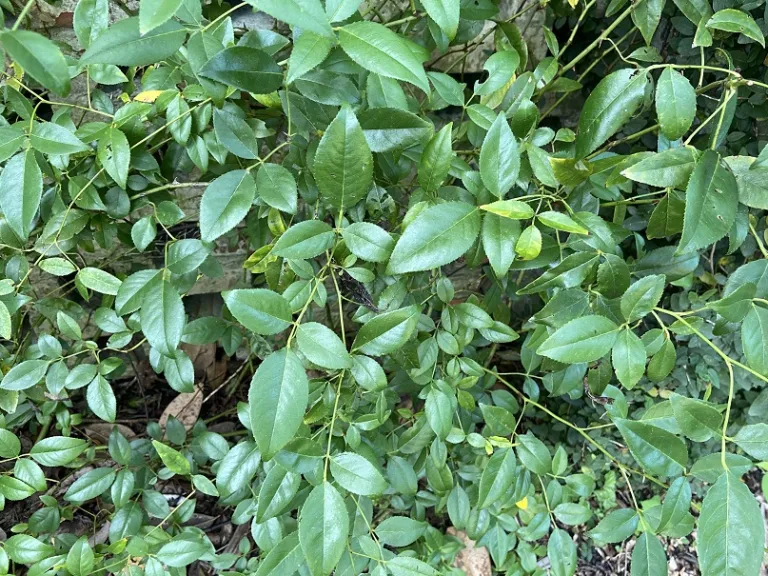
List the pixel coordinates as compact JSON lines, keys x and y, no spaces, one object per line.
{"x":185,"y":408}
{"x":475,"y":561}
{"x":99,"y":432}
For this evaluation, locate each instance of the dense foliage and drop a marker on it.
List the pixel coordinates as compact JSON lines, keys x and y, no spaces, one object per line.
{"x":456,"y":310}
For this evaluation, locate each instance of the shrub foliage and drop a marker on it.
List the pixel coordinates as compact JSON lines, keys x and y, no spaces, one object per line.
{"x":458,"y":309}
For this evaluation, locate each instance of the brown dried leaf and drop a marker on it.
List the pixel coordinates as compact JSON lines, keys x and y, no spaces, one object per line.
{"x":185,"y":408}
{"x":99,"y":432}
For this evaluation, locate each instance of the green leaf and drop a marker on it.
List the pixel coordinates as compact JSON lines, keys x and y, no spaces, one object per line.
{"x":304,"y":240}
{"x":11,"y":138}
{"x":497,"y":478}
{"x":277,"y":187}
{"x":357,"y":475}
{"x":323,"y":529}
{"x":648,"y":557}
{"x":261,"y":311}
{"x":343,"y":166}
{"x":114,"y":153}
{"x":498,"y":237}
{"x":237,"y":468}
{"x":122,"y":44}
{"x":560,"y":221}
{"x":658,"y":451}
{"x":753,"y":439}
{"x":646,"y":15}
{"x":244,"y":68}
{"x":57,"y":450}
{"x":435,"y":162}
{"x":304,"y":14}
{"x":529,"y":244}
{"x":173,"y":459}
{"x":668,"y":169}
{"x":378,"y":49}
{"x":236,"y":135}
{"x":410,"y":566}
{"x":730,"y":530}
{"x":91,"y":18}
{"x":340,"y":10}
{"x":143,"y":233}
{"x":677,"y":502}
{"x":615,"y":527}
{"x":675,"y":103}
{"x":754,"y":338}
{"x":667,"y":217}
{"x":50,"y":138}
{"x":39,"y":57}
{"x":153,"y":13}
{"x":387,"y":129}
{"x":445,"y":13}
{"x":642,"y":297}
{"x":163,"y":318}
{"x":611,"y":104}
{"x":698,"y":420}
{"x":309,"y":51}
{"x":628,"y":358}
{"x":438,"y":236}
{"x":80,"y":558}
{"x":25,"y":549}
{"x":368,"y":241}
{"x":730,"y":20}
{"x":572,"y":514}
{"x":277,"y":491}
{"x":399,"y":531}
{"x":10,"y":446}
{"x":285,"y":558}
{"x":183,"y":551}
{"x":90,"y":485}
{"x":101,"y":399}
{"x":321,"y":346}
{"x":534,"y":454}
{"x":133,"y":290}
{"x":584,"y":339}
{"x":499,"y":158}
{"x":24,"y":375}
{"x":662,"y":362}
{"x":225,"y":203}
{"x":21,"y":188}
{"x":99,"y":281}
{"x":501,"y":67}
{"x":386,"y":332}
{"x":569,"y":273}
{"x":277,"y":400}
{"x":562,"y":553}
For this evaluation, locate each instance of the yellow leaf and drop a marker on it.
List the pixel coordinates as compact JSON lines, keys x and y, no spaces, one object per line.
{"x":271,"y":100}
{"x":573,"y":3}
{"x":522,"y":504}
{"x":148,"y":96}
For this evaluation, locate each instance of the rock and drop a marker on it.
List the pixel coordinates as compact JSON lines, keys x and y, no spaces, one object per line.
{"x":475,"y":561}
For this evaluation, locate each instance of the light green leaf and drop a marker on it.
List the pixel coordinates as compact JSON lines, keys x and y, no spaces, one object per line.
{"x":50,"y":138}
{"x":753,"y":439}
{"x":497,"y":478}
{"x":657,"y":450}
{"x":261,"y":311}
{"x":304,"y":14}
{"x":675,"y":103}
{"x":711,"y":200}
{"x":343,"y":166}
{"x":163,"y":318}
{"x":277,"y":491}
{"x":39,"y":57}
{"x":277,"y":187}
{"x":114,"y":153}
{"x":101,"y":399}
{"x":584,"y":339}
{"x":445,"y":13}
{"x":646,"y":15}
{"x":560,"y":221}
{"x":730,"y":20}
{"x":304,"y":240}
{"x":386,"y":332}
{"x":153,"y":13}
{"x":323,"y":529}
{"x":57,"y":450}
{"x":648,"y":557}
{"x":277,"y":400}
{"x":357,"y":475}
{"x":389,"y":129}
{"x":642,"y":297}
{"x":438,"y":236}
{"x":754,"y":338}
{"x":122,"y":44}
{"x":309,"y":51}
{"x":435,"y":162}
{"x":10,"y":446}
{"x":615,"y":527}
{"x":368,"y":241}
{"x":562,"y":553}
{"x":25,"y":549}
{"x":499,"y":236}
{"x":398,"y":531}
{"x":378,"y":49}
{"x":99,"y":281}
{"x":410,"y":566}
{"x":628,"y":358}
{"x":173,"y":459}
{"x":667,"y":169}
{"x":611,"y":104}
{"x":90,"y":485}
{"x":322,"y":346}
{"x":698,"y":420}
{"x":80,"y":558}
{"x":24,"y":375}
{"x":730,"y":530}
{"x":499,"y":158}
{"x":513,"y":209}
{"x":225,"y":203}
{"x":21,"y":188}
{"x":285,"y":558}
